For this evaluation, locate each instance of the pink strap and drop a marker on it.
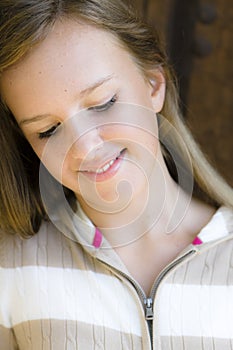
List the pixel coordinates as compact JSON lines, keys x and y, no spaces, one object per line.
{"x":97,"y":239}
{"x":197,"y":241}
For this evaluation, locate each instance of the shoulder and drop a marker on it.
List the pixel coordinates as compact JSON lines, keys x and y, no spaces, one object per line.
{"x":211,"y":261}
{"x":17,"y":252}
{"x":49,"y":247}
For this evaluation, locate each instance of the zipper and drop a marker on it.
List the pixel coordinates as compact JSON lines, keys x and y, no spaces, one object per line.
{"x":167,"y":269}
{"x":137,"y":287}
{"x":147,"y":302}
{"x":149,"y":312}
{"x":149,"y":309}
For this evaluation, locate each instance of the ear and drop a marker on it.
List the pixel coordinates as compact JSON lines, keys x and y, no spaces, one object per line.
{"x":158,"y":88}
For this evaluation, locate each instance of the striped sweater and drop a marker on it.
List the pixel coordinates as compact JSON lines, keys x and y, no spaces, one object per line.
{"x":62,"y":290}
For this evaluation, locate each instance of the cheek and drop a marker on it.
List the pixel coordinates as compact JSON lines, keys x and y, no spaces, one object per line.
{"x":51,"y":155}
{"x":143,"y":135}
{"x":130,"y":121}
{"x":142,"y":152}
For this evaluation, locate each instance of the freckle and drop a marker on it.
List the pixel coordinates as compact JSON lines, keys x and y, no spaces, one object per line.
{"x":39,"y":72}
{"x":65,"y":90}
{"x":61,"y":65}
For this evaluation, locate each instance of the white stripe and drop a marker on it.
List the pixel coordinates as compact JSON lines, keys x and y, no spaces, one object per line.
{"x":198,"y":311}
{"x":31,"y":293}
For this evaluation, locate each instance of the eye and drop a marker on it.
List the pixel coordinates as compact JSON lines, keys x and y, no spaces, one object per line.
{"x":49,"y":132}
{"x":105,"y":106}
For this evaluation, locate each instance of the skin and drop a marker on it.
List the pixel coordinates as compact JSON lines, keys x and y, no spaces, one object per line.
{"x":133,"y":207}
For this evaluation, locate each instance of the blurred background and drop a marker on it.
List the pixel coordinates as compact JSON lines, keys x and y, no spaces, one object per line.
{"x":198,"y":37}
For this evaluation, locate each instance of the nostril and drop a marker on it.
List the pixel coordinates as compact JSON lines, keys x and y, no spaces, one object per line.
{"x":86,"y":147}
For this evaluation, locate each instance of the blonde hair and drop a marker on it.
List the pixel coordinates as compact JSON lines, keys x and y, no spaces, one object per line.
{"x":26,"y":23}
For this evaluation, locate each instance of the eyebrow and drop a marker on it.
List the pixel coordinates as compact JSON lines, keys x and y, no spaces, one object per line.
{"x":84,"y":92}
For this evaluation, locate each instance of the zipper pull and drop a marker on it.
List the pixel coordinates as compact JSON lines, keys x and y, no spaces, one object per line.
{"x":149,"y":309}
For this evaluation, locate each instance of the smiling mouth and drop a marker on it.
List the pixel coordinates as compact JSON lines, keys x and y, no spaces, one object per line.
{"x":107,"y":171}
{"x":107,"y":166}
{"x":104,"y":169}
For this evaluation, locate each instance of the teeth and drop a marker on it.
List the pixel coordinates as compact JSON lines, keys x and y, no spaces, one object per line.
{"x":105,"y":168}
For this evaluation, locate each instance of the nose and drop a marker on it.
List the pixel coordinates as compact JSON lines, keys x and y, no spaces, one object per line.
{"x":85,"y":145}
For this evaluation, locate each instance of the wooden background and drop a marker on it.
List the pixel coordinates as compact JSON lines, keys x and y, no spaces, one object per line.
{"x":198,"y":36}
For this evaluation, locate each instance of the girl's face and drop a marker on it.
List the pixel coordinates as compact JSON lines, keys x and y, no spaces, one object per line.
{"x":88,"y":112}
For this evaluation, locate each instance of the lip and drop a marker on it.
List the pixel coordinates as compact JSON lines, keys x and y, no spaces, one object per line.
{"x":109,"y":173}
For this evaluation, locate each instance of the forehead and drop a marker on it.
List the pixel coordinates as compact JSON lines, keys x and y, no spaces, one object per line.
{"x":67,"y":40}
{"x":73,"y":55}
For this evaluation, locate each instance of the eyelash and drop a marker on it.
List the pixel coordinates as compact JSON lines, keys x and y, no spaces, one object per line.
{"x":49,"y":132}
{"x":98,"y":108}
{"x":105,"y":106}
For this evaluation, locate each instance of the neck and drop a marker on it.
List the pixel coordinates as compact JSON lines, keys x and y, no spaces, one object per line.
{"x":159,"y":207}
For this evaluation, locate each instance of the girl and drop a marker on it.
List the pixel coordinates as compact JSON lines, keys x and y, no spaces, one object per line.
{"x":105,"y":241}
